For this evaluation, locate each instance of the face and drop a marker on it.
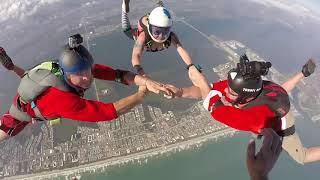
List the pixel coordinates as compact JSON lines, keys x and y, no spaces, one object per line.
{"x":81,"y":79}
{"x":160,"y":33}
{"x":230,"y":94}
{"x":233,"y":96}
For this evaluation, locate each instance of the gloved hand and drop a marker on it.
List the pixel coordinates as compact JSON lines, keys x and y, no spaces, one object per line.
{"x":261,"y":163}
{"x":213,"y":100}
{"x":5,"y":60}
{"x":309,"y":68}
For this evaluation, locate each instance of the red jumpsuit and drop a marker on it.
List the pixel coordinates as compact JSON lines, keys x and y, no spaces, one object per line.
{"x":252,"y":119}
{"x":54,"y":103}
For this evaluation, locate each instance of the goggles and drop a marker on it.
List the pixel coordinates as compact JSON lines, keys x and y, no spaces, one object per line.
{"x":160,"y":33}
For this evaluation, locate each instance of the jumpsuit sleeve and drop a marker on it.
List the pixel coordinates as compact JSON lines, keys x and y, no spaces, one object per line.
{"x":55,"y":103}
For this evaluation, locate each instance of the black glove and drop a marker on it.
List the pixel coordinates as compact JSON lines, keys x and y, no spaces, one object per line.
{"x":308,"y":68}
{"x":5,"y":60}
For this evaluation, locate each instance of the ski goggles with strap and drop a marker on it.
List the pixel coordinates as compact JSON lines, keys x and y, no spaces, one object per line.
{"x":160,"y":33}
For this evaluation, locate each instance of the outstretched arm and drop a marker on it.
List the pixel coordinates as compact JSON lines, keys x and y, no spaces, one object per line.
{"x":292,"y":82}
{"x":151,"y":85}
{"x":192,"y":92}
{"x":125,"y":104}
{"x":181,"y":51}
{"x":18,"y":71}
{"x":199,"y":90}
{"x":199,"y":81}
{"x":73,"y":107}
{"x":127,"y":77}
{"x":136,"y":54}
{"x":307,"y":70}
{"x":8,"y":64}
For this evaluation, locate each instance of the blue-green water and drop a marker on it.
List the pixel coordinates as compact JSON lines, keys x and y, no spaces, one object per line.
{"x":211,"y":161}
{"x":214,"y":160}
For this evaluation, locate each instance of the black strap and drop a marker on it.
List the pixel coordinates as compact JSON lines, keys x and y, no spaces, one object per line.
{"x":11,"y":130}
{"x":188,"y":67}
{"x":138,"y":68}
{"x":120,"y":76}
{"x":287,"y":132}
{"x":17,"y":113}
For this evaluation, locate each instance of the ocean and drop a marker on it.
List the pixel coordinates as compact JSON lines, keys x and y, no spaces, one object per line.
{"x":224,"y":159}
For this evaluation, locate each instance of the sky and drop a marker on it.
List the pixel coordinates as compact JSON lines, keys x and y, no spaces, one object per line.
{"x":22,"y":9}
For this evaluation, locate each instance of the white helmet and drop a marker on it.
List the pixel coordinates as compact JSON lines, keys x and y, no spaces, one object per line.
{"x":160,"y":21}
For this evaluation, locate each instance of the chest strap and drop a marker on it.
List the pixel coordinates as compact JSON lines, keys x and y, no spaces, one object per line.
{"x":37,"y":112}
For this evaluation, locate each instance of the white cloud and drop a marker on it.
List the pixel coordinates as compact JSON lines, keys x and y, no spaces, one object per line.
{"x":290,"y":6}
{"x":20,"y":9}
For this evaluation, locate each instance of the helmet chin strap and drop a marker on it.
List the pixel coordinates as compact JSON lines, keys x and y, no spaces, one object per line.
{"x":239,"y":101}
{"x":244,"y":100}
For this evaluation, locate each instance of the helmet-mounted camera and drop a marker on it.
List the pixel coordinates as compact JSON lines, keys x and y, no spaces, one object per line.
{"x":253,"y":68}
{"x":75,"y":41}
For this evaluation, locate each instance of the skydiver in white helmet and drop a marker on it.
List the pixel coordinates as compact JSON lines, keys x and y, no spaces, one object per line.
{"x":153,"y":33}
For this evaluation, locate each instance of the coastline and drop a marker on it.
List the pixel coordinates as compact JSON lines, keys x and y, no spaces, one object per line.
{"x":95,"y":166}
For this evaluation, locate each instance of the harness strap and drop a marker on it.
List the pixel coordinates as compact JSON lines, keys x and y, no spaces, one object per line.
{"x":15,"y":111}
{"x":10,"y":131}
{"x":37,"y":112}
{"x":287,"y":132}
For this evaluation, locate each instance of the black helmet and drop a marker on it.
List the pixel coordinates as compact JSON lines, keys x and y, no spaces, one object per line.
{"x":75,"y":57}
{"x":246,"y":87}
{"x":246,"y":79}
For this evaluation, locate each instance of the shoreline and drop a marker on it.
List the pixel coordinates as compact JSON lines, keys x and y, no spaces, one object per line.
{"x":103,"y":164}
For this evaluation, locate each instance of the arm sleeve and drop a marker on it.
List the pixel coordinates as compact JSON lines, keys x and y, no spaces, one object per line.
{"x":103,"y":72}
{"x":107,"y":73}
{"x":56,"y":103}
{"x":252,"y":119}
